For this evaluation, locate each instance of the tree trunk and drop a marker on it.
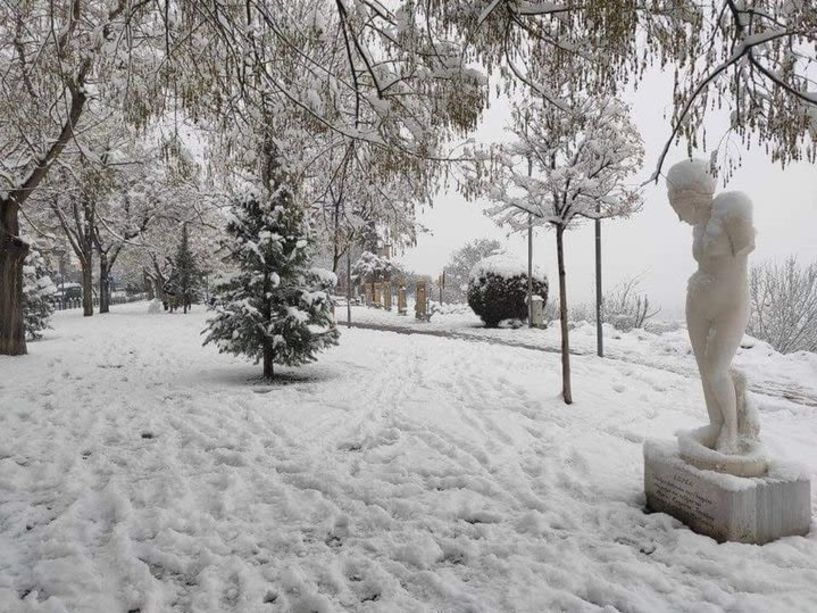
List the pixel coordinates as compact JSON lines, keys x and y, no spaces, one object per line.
{"x":599,"y":297}
{"x":269,"y":372}
{"x":268,"y":349}
{"x":87,"y":288}
{"x":147,"y":285}
{"x":530,"y":270}
{"x":567,"y":392}
{"x":13,"y":252}
{"x":104,"y":283}
{"x":349,"y":287}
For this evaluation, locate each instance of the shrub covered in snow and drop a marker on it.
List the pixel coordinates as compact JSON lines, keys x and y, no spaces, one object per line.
{"x":38,"y":292}
{"x":276,"y":308}
{"x":455,"y":308}
{"x":498,"y":289}
{"x":372,"y":268}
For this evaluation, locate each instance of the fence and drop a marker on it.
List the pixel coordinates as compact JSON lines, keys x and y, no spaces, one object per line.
{"x":64,"y":304}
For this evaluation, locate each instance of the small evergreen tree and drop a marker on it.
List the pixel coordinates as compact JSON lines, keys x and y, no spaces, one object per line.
{"x":276,"y":308}
{"x":186,"y":278}
{"x":38,"y":290}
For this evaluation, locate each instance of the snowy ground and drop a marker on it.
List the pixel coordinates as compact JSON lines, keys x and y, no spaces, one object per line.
{"x":142,"y":472}
{"x":791,"y":376}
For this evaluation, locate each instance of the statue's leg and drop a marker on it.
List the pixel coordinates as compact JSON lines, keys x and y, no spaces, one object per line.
{"x":698,"y":328}
{"x":725,"y":341}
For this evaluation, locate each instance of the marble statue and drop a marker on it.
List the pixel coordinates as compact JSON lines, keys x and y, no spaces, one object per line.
{"x":717,"y":311}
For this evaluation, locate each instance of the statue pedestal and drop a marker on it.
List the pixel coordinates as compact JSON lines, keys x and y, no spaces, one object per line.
{"x":727,"y":508}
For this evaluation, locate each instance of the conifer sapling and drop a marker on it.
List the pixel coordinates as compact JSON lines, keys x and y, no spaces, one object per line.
{"x":275,"y":308}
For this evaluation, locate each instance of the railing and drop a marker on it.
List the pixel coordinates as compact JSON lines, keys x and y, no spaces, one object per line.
{"x":64,"y":304}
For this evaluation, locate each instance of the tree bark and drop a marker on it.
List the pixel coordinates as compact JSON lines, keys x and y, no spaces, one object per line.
{"x":530,"y":270}
{"x":599,"y":297}
{"x":269,"y":372}
{"x":87,"y":289}
{"x":147,"y":284}
{"x":567,"y":392}
{"x":13,"y":251}
{"x":268,"y":349}
{"x":104,"y":283}
{"x":349,"y":287}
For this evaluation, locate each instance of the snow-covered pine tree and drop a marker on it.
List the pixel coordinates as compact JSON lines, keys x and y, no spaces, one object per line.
{"x":186,"y":277}
{"x":38,"y":289}
{"x":275,"y":308}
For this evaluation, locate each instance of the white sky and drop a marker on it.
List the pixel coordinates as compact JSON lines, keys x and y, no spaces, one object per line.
{"x":653,"y":244}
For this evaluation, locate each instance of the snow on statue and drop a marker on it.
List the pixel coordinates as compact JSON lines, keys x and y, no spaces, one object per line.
{"x":717,"y":311}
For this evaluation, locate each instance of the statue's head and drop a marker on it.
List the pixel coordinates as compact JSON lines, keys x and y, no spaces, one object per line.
{"x":690,"y":188}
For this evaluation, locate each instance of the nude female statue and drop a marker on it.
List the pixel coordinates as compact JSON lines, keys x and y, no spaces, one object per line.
{"x":717,"y":306}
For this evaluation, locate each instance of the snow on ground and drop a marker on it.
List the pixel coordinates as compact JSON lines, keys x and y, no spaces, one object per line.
{"x":142,"y":472}
{"x":792,"y":376}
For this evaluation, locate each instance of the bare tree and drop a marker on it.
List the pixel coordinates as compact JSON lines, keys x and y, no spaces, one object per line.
{"x":460,"y":264}
{"x":625,"y":308}
{"x":784,"y":305}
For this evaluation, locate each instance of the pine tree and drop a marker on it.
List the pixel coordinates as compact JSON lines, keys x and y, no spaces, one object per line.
{"x":276,"y":308}
{"x":38,"y":289}
{"x":186,"y":278}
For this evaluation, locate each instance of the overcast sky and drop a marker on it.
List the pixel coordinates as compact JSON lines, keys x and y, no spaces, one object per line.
{"x":653,"y":244}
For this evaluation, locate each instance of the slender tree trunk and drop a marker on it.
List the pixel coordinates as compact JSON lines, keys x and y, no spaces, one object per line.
{"x":599,"y":298}
{"x":349,"y":287}
{"x":104,"y":283}
{"x":530,"y":256}
{"x":268,"y":349}
{"x":147,"y":284}
{"x":567,"y":392}
{"x":87,"y":288}
{"x":13,"y":252}
{"x":530,"y":270}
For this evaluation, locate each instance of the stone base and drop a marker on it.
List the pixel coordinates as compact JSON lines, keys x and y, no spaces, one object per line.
{"x":727,"y":508}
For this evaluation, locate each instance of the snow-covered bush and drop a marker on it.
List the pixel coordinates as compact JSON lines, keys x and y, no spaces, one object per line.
{"x":498,"y":289}
{"x":38,"y":294}
{"x":155,"y":307}
{"x":373,"y":268}
{"x":275,"y":308}
{"x":783,"y":299}
{"x":454,"y":308}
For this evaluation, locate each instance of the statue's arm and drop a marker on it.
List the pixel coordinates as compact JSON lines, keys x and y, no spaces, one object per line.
{"x":734,"y":209}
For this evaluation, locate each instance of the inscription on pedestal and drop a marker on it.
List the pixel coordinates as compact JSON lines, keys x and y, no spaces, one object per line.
{"x":679,"y":492}
{"x":724,"y":507}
